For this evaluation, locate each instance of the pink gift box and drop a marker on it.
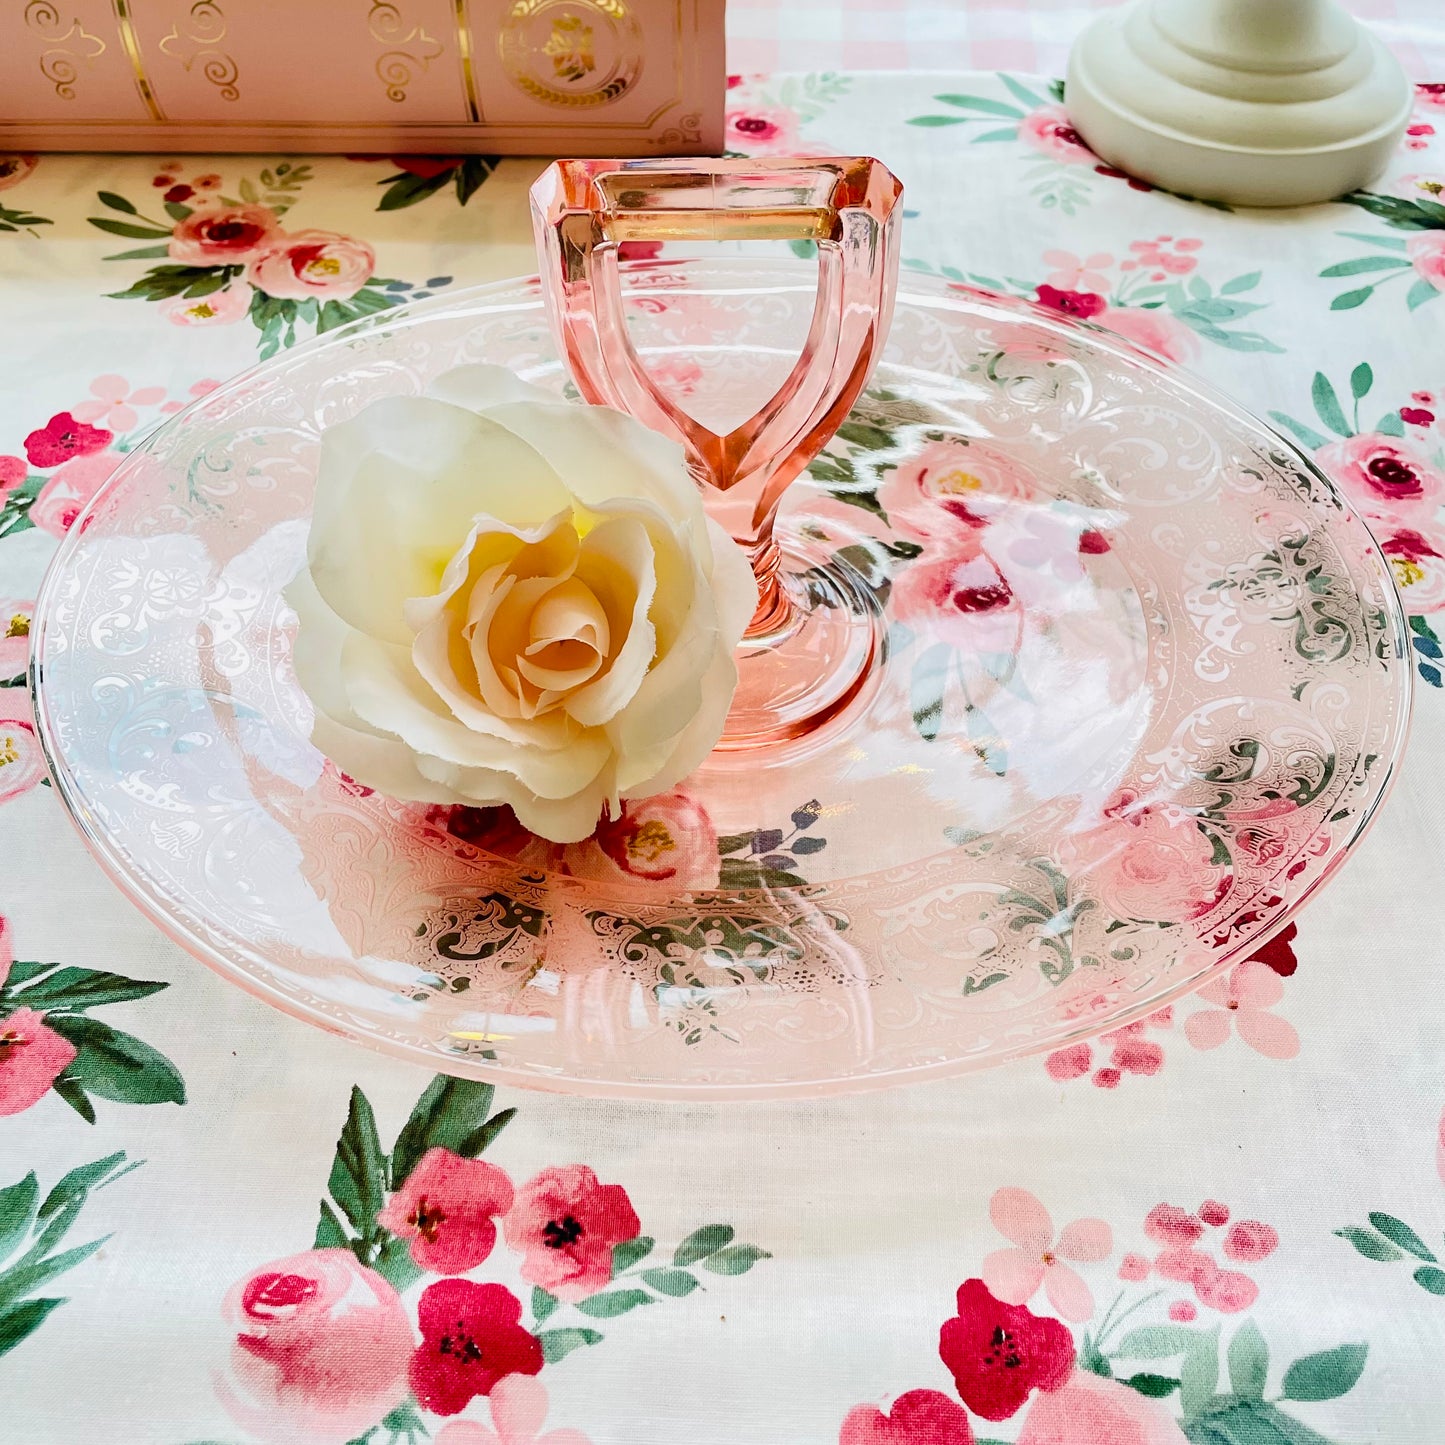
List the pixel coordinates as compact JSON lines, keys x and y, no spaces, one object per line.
{"x":580,"y":77}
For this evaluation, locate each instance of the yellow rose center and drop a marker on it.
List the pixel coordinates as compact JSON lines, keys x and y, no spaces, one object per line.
{"x":957,"y":481}
{"x":202,"y":311}
{"x":1434,"y":187}
{"x":324,"y":266}
{"x":1407,"y":573}
{"x":9,"y":753}
{"x":19,"y":626}
{"x":650,"y":842}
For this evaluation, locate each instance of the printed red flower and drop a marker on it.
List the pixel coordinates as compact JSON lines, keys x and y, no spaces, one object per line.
{"x":1134,"y":1267}
{"x":1212,"y":1212}
{"x":1182,"y":1311}
{"x":566,"y":1223}
{"x":639,"y":250}
{"x":1082,"y":304}
{"x":222,"y":236}
{"x":320,"y":1351}
{"x":426,"y":167}
{"x":447,"y":1207}
{"x":62,"y":438}
{"x":1416,"y":416}
{"x":999,"y":1353}
{"x":67,"y":492}
{"x":921,"y":1417}
{"x":471,"y":1337}
{"x":1250,"y":1240}
{"x":13,"y":471}
{"x":14,"y":168}
{"x":32,"y":1057}
{"x":1169,"y":1224}
{"x":1070,"y":1063}
{"x":179,"y":193}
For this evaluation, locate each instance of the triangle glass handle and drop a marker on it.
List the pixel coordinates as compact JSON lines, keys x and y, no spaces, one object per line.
{"x":583,"y":211}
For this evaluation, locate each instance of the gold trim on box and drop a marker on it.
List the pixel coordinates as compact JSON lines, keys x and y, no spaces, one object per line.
{"x":131,"y":45}
{"x":397,"y":68}
{"x":57,"y":64}
{"x":550,"y":72}
{"x":209,"y":29}
{"x":464,"y":51}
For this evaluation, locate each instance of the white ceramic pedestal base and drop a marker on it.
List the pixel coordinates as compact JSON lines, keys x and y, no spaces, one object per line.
{"x":1250,"y":102}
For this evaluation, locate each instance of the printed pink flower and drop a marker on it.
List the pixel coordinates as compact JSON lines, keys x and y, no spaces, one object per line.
{"x":1383,"y":477}
{"x":61,"y":500}
{"x":219,"y":308}
{"x":1225,"y":1290}
{"x":115,"y":403}
{"x":1134,"y":1267}
{"x":1250,"y":1240}
{"x":1080,"y":304}
{"x":668,"y":839}
{"x":1431,"y":93}
{"x":15,"y":167}
{"x":319,"y":264}
{"x":1417,"y":559}
{"x":61,"y":439}
{"x":1212,"y":1212}
{"x":1158,"y":865}
{"x":321,"y":1348}
{"x":1071,"y":1063}
{"x":32,"y":1057}
{"x":761,"y":130}
{"x":519,"y":1410}
{"x":471,"y":1339}
{"x":7,"y":952}
{"x":961,"y":596}
{"x":1245,"y":997}
{"x":13,"y":471}
{"x":1418,"y":186}
{"x":1049,"y":129}
{"x":566,"y":1224}
{"x":949,"y":483}
{"x":1014,"y":1275}
{"x":223,"y":235}
{"x":921,"y":1417}
{"x":1426,"y":250}
{"x":22,"y":764}
{"x":1171,"y":1225}
{"x":998,"y":1353}
{"x":1071,"y":273}
{"x":15,"y":618}
{"x":1090,"y":1410}
{"x":676,"y":376}
{"x":447,"y":1207}
{"x":1154,"y":330}
{"x":1182,"y":1311}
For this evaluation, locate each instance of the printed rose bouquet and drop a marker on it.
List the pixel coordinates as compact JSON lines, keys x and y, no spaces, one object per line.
{"x":514,"y":599}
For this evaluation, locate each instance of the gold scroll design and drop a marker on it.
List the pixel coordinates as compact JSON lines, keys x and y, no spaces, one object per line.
{"x":204,"y":33}
{"x":68,"y":46}
{"x":398,"y":67}
{"x":564,"y":68}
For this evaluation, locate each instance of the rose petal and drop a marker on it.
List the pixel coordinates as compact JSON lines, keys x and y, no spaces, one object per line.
{"x":1256,"y":984}
{"x":1207,"y":1029}
{"x":519,"y":1407}
{"x":1267,"y":1033}
{"x":1012,"y":1275}
{"x":1086,"y":1239}
{"x":1020,"y":1217}
{"x":1068,"y":1293}
{"x":381,"y":763}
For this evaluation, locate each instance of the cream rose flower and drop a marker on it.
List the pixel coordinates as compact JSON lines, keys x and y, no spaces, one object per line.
{"x":514,"y":599}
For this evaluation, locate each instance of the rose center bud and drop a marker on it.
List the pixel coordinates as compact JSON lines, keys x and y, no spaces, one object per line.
{"x":569,"y":638}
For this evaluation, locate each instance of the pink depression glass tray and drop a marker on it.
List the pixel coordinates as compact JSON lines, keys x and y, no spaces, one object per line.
{"x":1144,"y":687}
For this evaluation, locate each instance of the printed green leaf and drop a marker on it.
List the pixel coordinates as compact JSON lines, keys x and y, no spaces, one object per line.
{"x":982,"y":104}
{"x":543,"y":1304}
{"x":393,"y":1262}
{"x":1418,"y":294}
{"x":17,"y":1213}
{"x":1362,"y":264}
{"x":1398,"y":1232}
{"x":558,"y":1344}
{"x":937,"y":120}
{"x":83,"y":988}
{"x":1199,"y":1372}
{"x":471,"y":174}
{"x":1369,"y":1243}
{"x":1021,"y":92}
{"x":1348,"y":300}
{"x":1155,"y":1386}
{"x":23,"y":1320}
{"x":673,"y":1282}
{"x":66,"y":1088}
{"x":1156,"y":1342}
{"x":926,"y":689}
{"x":630,"y":1252}
{"x":1391,"y":424}
{"x":1246,"y":282}
{"x":1248,"y":1422}
{"x":1005,"y":132}
{"x":448,"y":1111}
{"x":1362,"y":378}
{"x":1326,"y":1375}
{"x":702,"y":1242}
{"x":117,"y":1065}
{"x":329,"y":1233}
{"x":1327,"y":405}
{"x":25,"y":1279}
{"x":1307,"y":435}
{"x":115,"y":202}
{"x":1431,"y":1277}
{"x":141,"y":253}
{"x":72,"y":1189}
{"x":358,"y":1173}
{"x":1248,"y":1360}
{"x":406,"y":189}
{"x":480,"y":1139}
{"x":614,"y":1302}
{"x":735,"y":1259}
{"x":128,"y":229}
{"x":1404,"y":215}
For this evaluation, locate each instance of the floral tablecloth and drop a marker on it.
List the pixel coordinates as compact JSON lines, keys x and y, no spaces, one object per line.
{"x":1222,"y":1224}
